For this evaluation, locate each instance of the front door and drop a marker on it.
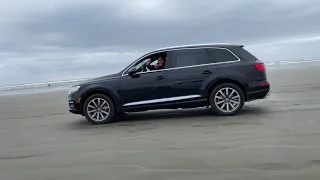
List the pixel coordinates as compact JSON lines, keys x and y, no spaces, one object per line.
{"x":144,"y":89}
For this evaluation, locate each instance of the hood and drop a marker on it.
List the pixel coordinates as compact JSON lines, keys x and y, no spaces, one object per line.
{"x":101,"y":78}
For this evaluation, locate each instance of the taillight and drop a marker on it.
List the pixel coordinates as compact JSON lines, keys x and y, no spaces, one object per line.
{"x":260,"y":66}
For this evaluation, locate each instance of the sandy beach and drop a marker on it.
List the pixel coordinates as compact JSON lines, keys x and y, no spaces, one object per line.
{"x":274,"y":138}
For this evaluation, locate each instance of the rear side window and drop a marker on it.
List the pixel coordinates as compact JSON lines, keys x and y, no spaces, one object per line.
{"x":189,"y":57}
{"x":243,"y":54}
{"x":220,"y":55}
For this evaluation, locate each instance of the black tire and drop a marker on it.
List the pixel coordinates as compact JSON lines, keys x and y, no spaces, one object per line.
{"x":112,"y":109}
{"x":215,"y":107}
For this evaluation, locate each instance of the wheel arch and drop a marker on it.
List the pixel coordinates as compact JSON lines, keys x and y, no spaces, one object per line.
{"x":241,"y":85}
{"x":103,"y":91}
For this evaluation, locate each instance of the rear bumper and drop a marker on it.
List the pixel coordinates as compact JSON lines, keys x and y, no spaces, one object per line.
{"x":260,"y":92}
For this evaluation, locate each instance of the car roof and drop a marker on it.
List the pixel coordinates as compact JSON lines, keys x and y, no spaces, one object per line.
{"x":221,"y":45}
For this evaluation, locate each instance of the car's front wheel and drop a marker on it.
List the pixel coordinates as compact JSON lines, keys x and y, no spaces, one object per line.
{"x":99,"y":109}
{"x":227,"y":99}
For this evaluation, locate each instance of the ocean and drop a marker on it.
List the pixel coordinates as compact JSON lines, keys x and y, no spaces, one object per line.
{"x":44,"y":87}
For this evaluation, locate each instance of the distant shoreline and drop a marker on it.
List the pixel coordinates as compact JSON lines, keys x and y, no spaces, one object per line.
{"x":65,"y":84}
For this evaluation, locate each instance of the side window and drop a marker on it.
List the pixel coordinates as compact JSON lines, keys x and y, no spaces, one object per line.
{"x":220,"y":55}
{"x":141,"y":65}
{"x":243,"y":54}
{"x":189,"y":57}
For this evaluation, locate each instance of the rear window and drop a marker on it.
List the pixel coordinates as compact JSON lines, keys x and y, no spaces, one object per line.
{"x":218,"y":55}
{"x":243,"y":54}
{"x":190,"y":57}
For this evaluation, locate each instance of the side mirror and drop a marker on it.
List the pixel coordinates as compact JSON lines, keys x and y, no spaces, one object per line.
{"x":132,"y":71}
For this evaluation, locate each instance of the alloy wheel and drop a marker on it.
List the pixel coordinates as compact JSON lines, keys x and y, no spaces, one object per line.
{"x":98,"y":109}
{"x":227,"y":99}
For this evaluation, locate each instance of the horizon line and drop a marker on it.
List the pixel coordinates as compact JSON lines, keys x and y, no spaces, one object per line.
{"x":80,"y":79}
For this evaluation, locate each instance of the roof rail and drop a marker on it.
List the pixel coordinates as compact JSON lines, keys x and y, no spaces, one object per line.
{"x":192,"y":45}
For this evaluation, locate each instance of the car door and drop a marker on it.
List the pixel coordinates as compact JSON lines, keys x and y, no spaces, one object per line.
{"x":190,"y":71}
{"x":143,"y":89}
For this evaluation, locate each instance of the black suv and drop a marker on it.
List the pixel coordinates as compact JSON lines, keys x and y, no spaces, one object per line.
{"x":219,"y":76}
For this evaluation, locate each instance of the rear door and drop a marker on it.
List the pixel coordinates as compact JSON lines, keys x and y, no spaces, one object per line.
{"x":189,"y":72}
{"x":230,"y":66}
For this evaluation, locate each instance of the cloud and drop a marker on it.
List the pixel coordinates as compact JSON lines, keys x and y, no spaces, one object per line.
{"x":78,"y":38}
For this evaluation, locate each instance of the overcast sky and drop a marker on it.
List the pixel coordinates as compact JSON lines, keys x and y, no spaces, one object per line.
{"x":44,"y":40}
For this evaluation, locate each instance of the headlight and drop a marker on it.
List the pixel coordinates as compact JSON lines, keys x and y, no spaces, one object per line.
{"x":73,"y":89}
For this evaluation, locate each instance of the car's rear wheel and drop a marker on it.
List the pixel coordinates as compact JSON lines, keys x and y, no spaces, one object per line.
{"x":99,"y":109}
{"x":227,"y":99}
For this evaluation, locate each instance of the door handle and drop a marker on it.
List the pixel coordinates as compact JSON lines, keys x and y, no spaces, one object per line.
{"x":207,"y":72}
{"x":160,"y":78}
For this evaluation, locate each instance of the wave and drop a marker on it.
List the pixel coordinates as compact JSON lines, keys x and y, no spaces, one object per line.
{"x":43,"y":84}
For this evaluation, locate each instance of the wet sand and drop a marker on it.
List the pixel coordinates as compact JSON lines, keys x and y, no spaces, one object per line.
{"x":274,"y":138}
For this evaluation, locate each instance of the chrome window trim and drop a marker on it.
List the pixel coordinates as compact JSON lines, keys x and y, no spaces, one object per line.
{"x":152,"y":71}
{"x":177,"y":49}
{"x":161,"y":100}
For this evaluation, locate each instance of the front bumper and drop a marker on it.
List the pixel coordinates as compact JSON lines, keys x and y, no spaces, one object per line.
{"x":74,"y":104}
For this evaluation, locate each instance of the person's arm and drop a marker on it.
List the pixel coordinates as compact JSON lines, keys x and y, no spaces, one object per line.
{"x":149,"y":66}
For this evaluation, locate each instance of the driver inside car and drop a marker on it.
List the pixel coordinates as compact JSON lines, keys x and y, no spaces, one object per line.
{"x":160,"y":65}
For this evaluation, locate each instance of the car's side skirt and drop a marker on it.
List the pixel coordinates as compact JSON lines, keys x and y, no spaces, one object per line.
{"x":162,"y":100}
